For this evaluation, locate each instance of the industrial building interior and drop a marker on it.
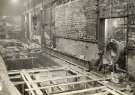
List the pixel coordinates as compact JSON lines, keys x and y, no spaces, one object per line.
{"x":67,"y":47}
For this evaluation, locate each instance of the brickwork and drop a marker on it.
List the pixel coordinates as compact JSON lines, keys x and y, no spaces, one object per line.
{"x":76,"y":19}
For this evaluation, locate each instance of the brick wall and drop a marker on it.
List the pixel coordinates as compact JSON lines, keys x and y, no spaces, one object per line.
{"x":112,"y":8}
{"x":82,"y":50}
{"x":77,"y":20}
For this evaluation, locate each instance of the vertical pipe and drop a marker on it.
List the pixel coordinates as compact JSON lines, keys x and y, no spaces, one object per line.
{"x":43,"y":40}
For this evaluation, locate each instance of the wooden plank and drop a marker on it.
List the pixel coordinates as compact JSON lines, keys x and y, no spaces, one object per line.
{"x":19,"y":83}
{"x":27,"y":83}
{"x":101,"y":93}
{"x":92,"y":76}
{"x":59,"y":78}
{"x":35,"y":86}
{"x":15,"y":77}
{"x":112,"y":92}
{"x":36,"y":70}
{"x":81,"y":91}
{"x":66,"y":84}
{"x":112,"y":89}
{"x":60,"y":88}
